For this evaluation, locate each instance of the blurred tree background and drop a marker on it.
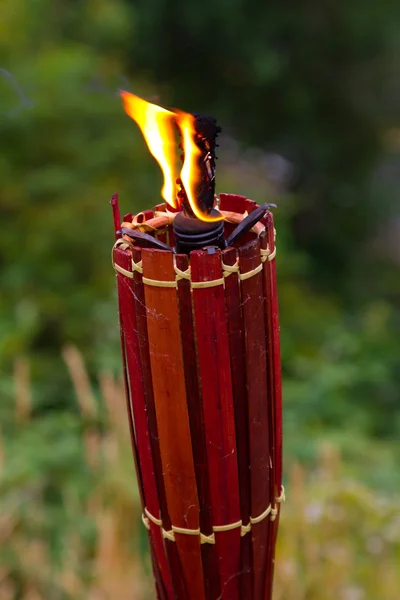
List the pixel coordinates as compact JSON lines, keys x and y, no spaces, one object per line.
{"x":307,"y":95}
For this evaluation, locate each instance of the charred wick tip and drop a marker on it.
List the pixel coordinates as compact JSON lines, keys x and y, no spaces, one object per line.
{"x":206,"y":126}
{"x":207,"y":130}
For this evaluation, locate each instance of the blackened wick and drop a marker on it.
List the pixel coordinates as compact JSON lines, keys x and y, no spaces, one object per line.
{"x":207,"y":131}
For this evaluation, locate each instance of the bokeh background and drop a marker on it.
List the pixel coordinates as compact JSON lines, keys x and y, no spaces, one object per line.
{"x":308,"y":97}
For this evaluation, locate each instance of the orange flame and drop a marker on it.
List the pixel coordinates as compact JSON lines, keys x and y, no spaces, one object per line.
{"x":156,"y":124}
{"x":157,"y":127}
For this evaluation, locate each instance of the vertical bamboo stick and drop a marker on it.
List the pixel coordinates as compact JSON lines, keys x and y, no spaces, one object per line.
{"x":172,"y":415}
{"x":196,"y":419}
{"x":256,"y":376}
{"x":216,"y":380}
{"x":142,"y":335}
{"x":239,"y":389}
{"x":277,"y":363}
{"x":116,"y":214}
{"x":277,"y":420}
{"x":267,"y":240}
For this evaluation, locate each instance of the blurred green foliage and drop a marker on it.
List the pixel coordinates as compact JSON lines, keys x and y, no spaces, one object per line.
{"x":313,"y":82}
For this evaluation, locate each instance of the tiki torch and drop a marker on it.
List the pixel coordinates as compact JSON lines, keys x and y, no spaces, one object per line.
{"x":200,"y":347}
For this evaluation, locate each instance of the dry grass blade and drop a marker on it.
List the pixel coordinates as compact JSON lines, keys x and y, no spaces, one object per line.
{"x":86,"y":400}
{"x":81,"y":381}
{"x":112,"y":392}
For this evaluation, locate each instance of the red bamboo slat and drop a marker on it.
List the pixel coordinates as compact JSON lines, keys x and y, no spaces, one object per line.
{"x":196,"y":419}
{"x":258,"y":406}
{"x":172,"y":413}
{"x":238,"y":367}
{"x":160,"y":588}
{"x":216,"y":382}
{"x":143,"y":341}
{"x":123,"y":322}
{"x":137,"y":409}
{"x":116,"y":214}
{"x":270,"y":372}
{"x":236,"y":203}
{"x":277,"y":363}
{"x":270,"y":291}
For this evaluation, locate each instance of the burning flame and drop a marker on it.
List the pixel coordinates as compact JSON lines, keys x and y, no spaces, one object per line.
{"x":157,"y":127}
{"x":156,"y":124}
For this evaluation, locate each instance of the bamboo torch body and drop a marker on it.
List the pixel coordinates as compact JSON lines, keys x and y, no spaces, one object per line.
{"x":200,"y":345}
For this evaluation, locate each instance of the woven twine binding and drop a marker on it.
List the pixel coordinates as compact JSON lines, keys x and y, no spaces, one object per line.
{"x":265,"y":254}
{"x":272,"y":511}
